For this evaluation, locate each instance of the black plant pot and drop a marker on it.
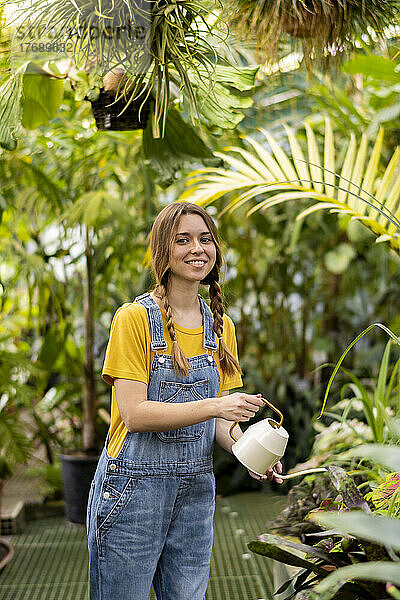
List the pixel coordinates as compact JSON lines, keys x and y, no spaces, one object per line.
{"x":108,"y":117}
{"x":77,"y":474}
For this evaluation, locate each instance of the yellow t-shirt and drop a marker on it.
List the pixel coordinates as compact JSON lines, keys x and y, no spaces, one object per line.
{"x":129,"y":356}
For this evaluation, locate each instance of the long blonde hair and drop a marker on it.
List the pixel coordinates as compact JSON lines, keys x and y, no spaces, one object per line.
{"x":161,"y":239}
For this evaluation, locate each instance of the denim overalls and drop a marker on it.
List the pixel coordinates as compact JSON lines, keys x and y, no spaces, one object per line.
{"x":150,"y":510}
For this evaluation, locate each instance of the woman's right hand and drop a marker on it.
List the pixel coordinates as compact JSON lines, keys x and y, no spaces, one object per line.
{"x":239,"y":406}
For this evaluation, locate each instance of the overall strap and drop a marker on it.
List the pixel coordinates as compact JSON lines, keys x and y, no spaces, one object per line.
{"x":209,"y":342}
{"x":155,"y":321}
{"x":156,"y":324}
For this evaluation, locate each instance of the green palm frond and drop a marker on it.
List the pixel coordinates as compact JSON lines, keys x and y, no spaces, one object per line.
{"x":358,"y":187}
{"x":15,"y":446}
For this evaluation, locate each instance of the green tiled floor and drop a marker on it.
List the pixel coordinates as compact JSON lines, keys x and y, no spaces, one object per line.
{"x":50,"y":561}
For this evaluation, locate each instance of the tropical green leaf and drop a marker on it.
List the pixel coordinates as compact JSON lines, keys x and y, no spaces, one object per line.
{"x":370,"y":173}
{"x":382,"y":376}
{"x":329,"y":160}
{"x":314,"y":160}
{"x":343,"y":356}
{"x":348,"y":188}
{"x":391,"y":204}
{"x":15,"y":446}
{"x":378,"y":67}
{"x":41,"y":98}
{"x":240,"y":166}
{"x":257,"y":164}
{"x":282,"y":542}
{"x":241,"y":78}
{"x":10,"y":108}
{"x":298,"y":158}
{"x":315,"y":208}
{"x":277,"y":553}
{"x":281,"y":158}
{"x":383,"y":454}
{"x":384,"y":187}
{"x":370,"y":571}
{"x":180,"y":146}
{"x":384,"y":531}
{"x":279,"y":198}
{"x":347,"y":488}
{"x":270,"y":163}
{"x":347,"y":170}
{"x":386,"y":495}
{"x":222,"y":105}
{"x":357,"y":174}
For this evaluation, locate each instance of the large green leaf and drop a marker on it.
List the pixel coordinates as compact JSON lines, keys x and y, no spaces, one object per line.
{"x":240,"y":78}
{"x":15,"y":446}
{"x":384,"y":531}
{"x":41,"y":97}
{"x":370,"y":571}
{"x":281,"y":542}
{"x":273,"y":551}
{"x":180,"y":146}
{"x":30,"y":96}
{"x":378,"y":67}
{"x":347,"y":488}
{"x":383,"y":454}
{"x":10,"y":108}
{"x":222,"y":106}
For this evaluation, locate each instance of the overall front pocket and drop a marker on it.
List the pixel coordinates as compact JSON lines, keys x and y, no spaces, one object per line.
{"x":172,"y":391}
{"x":114,"y":495}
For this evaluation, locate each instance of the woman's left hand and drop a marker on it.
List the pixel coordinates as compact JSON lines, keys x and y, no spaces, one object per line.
{"x":269,"y":475}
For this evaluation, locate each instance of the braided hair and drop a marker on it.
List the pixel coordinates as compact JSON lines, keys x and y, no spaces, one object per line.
{"x":161,"y":239}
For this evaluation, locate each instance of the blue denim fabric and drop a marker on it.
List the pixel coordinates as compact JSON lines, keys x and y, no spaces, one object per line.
{"x":150,"y":510}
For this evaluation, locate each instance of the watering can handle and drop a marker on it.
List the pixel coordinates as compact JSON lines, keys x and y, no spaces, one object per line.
{"x":271,"y":406}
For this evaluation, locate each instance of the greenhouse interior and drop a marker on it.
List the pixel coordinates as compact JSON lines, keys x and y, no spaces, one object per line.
{"x":200,"y":307}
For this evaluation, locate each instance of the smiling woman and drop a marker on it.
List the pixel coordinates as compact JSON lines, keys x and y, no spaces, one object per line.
{"x":171,"y":360}
{"x":177,"y":239}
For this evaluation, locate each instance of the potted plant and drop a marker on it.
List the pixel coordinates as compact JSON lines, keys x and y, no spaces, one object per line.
{"x":325,"y":27}
{"x":156,"y":43}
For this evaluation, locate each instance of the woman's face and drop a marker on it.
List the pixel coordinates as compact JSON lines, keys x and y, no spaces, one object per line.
{"x":193,"y":251}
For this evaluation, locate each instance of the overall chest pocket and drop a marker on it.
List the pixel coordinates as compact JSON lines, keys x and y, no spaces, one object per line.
{"x":171,"y":391}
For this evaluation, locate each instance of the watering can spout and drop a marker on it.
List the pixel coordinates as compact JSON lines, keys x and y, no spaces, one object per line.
{"x":300,"y":473}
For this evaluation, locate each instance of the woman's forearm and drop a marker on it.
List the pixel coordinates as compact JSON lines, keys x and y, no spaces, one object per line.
{"x":141,"y":414}
{"x":162,"y":416}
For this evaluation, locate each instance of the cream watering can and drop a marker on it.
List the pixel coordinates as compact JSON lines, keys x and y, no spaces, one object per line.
{"x":263,"y":444}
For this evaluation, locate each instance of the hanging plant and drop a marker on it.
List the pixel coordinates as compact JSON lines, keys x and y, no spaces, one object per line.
{"x":156,"y":42}
{"x":117,"y":111}
{"x":325,"y":27}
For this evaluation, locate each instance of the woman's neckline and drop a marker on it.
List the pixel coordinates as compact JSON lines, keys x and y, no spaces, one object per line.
{"x":190,"y":330}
